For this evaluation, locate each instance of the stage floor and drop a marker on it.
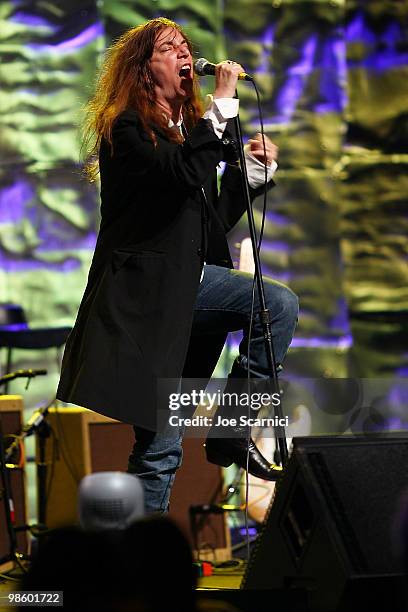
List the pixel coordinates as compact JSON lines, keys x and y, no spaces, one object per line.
{"x":220,"y":592}
{"x":222,"y":580}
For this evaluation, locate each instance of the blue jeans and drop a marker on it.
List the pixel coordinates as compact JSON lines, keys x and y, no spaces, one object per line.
{"x":223,"y":305}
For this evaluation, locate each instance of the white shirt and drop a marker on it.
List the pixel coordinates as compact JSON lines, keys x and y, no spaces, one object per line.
{"x":219,"y":111}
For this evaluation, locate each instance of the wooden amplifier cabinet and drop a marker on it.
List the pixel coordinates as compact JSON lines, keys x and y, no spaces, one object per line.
{"x":83,"y":442}
{"x":11,"y":415}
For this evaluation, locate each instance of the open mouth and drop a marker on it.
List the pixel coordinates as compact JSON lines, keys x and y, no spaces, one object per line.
{"x":185,"y":71}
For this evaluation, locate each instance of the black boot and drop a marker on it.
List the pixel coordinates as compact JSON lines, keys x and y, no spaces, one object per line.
{"x":234,"y":448}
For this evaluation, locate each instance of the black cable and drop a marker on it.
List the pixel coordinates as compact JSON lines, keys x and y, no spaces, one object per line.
{"x":20,"y":564}
{"x":10,"y":578}
{"x":251,"y":317}
{"x":236,"y":481}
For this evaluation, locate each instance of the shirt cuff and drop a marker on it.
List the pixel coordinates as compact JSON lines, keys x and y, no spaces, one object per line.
{"x":219,"y":111}
{"x":256,"y":169}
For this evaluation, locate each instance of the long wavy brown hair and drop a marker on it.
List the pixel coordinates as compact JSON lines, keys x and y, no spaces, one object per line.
{"x":125,"y":82}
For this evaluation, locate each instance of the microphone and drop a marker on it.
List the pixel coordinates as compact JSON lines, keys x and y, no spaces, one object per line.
{"x":32,"y":373}
{"x":34,"y":421}
{"x":203,"y":67}
{"x":21,"y":374}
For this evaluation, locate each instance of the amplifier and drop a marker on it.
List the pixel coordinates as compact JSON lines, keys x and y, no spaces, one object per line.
{"x":83,"y":442}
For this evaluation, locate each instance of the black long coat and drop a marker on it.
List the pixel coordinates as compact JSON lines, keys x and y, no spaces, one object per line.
{"x":157,"y":228}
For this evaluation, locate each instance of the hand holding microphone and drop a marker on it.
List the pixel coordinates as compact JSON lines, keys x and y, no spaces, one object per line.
{"x":226,"y":73}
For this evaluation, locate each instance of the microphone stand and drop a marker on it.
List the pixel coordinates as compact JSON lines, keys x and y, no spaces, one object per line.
{"x":4,"y":380}
{"x":39,"y":425}
{"x":12,"y":555}
{"x":35,"y":424}
{"x":280,"y":435}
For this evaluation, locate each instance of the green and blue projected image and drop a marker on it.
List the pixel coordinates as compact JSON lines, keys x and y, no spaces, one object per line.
{"x":333,"y":78}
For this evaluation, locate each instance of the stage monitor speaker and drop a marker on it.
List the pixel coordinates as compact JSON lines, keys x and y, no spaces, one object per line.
{"x":11,"y":414}
{"x":83,"y":442}
{"x":329,"y":527}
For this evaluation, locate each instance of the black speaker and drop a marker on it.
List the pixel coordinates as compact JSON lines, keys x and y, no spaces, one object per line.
{"x":329,"y":528}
